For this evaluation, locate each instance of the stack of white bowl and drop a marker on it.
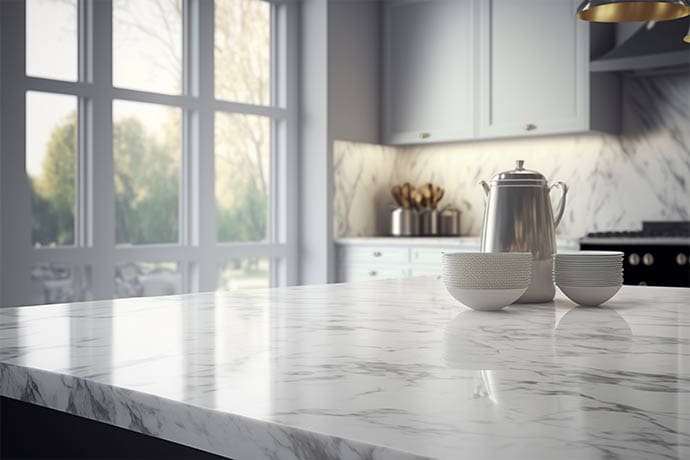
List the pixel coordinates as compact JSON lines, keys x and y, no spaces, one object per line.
{"x":589,"y":277}
{"x":487,"y":280}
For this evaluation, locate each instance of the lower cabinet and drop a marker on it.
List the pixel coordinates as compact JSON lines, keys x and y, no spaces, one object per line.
{"x":356,"y":263}
{"x":367,"y":261}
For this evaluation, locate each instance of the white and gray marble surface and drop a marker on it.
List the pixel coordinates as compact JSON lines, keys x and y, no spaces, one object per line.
{"x":615,"y":182}
{"x":373,"y":370}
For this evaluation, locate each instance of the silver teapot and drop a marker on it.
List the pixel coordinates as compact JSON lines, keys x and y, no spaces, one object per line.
{"x":518,"y":218}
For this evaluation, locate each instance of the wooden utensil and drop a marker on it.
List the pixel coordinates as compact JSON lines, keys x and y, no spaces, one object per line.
{"x":396,"y":191}
{"x":417,"y":198}
{"x":438,"y":195}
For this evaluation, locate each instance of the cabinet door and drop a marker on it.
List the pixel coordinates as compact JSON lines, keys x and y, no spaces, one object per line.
{"x":429,"y":53}
{"x":534,"y":70}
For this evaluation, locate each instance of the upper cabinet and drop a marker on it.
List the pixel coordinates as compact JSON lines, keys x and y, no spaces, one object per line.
{"x":429,"y":70}
{"x":534,"y":68}
{"x":458,"y":70}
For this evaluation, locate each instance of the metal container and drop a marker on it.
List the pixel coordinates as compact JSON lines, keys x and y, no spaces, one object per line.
{"x":429,"y":222}
{"x":518,"y":218}
{"x":404,"y":222}
{"x":449,"y":222}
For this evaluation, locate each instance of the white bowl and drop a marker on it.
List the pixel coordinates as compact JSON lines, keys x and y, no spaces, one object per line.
{"x":589,"y":295}
{"x":486,"y":299}
{"x":593,"y":254}
{"x":490,"y":270}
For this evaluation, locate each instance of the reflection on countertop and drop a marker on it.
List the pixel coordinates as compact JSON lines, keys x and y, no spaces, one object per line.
{"x":378,"y":369}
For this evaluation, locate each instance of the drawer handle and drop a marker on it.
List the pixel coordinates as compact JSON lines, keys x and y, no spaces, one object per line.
{"x":377,"y":253}
{"x":424,"y":135}
{"x":372,"y":273}
{"x":530,"y":127}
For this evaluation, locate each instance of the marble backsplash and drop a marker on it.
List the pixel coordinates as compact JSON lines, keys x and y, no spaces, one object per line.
{"x":615,"y":181}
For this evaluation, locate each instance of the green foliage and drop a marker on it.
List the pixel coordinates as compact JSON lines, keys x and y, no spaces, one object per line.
{"x":246,"y":221}
{"x":53,"y":194}
{"x":146,"y":186}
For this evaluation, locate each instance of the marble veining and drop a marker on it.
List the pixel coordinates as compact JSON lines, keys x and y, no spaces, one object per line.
{"x":392,"y":369}
{"x":615,"y":181}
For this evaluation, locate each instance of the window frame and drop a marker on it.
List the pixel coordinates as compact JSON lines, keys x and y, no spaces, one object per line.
{"x":198,"y":253}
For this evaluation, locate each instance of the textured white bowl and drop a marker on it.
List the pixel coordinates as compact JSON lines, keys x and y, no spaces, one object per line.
{"x":486,"y":299}
{"x":491,"y":270}
{"x":487,"y":270}
{"x":589,"y":295}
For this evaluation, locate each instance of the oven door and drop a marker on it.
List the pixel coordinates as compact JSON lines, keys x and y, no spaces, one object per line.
{"x":650,"y":265}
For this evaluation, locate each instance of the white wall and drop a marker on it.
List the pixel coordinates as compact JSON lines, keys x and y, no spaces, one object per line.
{"x":340,"y":79}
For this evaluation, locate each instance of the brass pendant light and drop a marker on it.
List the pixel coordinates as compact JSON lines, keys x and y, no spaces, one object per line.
{"x":633,"y":11}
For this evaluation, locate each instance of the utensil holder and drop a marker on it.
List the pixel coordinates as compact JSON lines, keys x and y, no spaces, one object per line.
{"x":429,"y":222}
{"x":449,"y":222}
{"x":404,"y":222}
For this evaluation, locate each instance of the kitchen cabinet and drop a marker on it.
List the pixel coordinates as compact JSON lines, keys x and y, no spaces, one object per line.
{"x":469,"y":69}
{"x":429,"y":54}
{"x":394,"y":257}
{"x":534,"y":68}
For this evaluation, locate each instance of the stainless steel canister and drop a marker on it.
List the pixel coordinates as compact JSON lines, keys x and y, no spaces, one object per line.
{"x":429,"y":222}
{"x":449,"y":222}
{"x":404,"y":222}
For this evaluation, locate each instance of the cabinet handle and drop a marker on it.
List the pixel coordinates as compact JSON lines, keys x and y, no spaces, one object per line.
{"x":530,"y":127}
{"x":377,"y":254}
{"x":424,"y":135}
{"x":372,"y":273}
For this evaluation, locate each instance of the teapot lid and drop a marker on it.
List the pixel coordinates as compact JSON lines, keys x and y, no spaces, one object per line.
{"x":520,"y":174}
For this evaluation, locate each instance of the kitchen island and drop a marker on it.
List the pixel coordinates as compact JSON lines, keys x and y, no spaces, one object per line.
{"x":392,"y":369}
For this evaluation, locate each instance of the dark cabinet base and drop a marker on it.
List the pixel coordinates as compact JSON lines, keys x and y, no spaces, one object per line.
{"x":30,"y":431}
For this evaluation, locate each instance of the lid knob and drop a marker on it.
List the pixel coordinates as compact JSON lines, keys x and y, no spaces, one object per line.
{"x":520,"y":164}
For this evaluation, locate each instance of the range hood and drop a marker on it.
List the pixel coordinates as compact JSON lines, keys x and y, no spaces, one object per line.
{"x":641,"y":46}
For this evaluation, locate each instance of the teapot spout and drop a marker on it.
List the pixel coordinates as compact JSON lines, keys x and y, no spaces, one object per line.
{"x":485,"y":187}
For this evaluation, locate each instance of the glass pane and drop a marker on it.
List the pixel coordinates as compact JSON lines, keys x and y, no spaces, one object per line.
{"x":51,"y":39}
{"x":247,"y":273}
{"x":147,"y":153}
{"x":143,"y":279}
{"x":242,"y":146}
{"x":51,"y":166}
{"x":147,"y":45}
{"x":54,"y":283}
{"x":242,"y":52}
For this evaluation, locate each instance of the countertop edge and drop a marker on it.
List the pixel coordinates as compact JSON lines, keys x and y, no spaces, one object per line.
{"x":451,"y":241}
{"x":225,"y":434}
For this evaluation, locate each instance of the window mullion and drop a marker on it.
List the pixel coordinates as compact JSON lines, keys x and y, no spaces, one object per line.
{"x":102,"y":217}
{"x":201,"y":56}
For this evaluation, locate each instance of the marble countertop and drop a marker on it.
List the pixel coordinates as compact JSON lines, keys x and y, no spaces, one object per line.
{"x":431,"y":241}
{"x":392,"y":369}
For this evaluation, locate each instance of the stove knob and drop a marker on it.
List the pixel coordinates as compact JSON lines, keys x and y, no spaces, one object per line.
{"x":648,"y":259}
{"x":634,"y":259}
{"x":681,"y":259}
{"x":642,"y":283}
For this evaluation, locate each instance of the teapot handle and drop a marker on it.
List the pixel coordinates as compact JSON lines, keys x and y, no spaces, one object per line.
{"x":560,"y":208}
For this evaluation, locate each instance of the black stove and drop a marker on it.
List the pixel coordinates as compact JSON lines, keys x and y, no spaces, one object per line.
{"x":650,"y":230}
{"x":657,"y":255}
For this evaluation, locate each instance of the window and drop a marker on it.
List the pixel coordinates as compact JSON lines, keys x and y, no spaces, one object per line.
{"x":51,"y":166}
{"x":51,"y":39}
{"x":146,"y":156}
{"x":154,"y":142}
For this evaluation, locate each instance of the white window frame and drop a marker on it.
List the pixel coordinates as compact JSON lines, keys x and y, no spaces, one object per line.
{"x":198,"y":254}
